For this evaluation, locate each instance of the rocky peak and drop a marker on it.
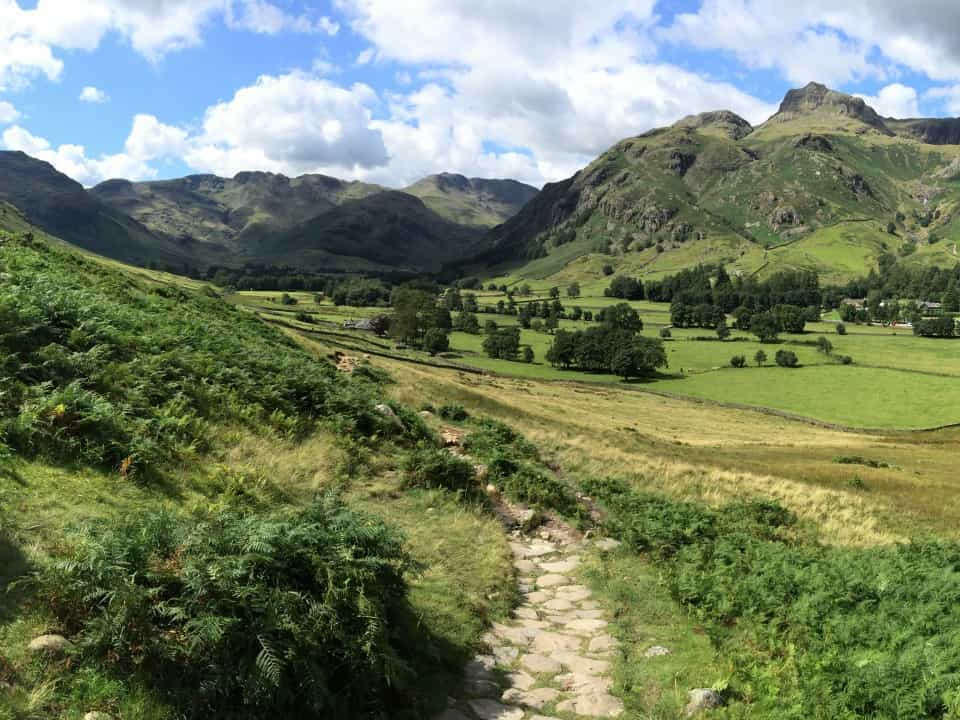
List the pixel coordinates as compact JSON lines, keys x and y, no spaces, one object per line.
{"x":815,"y":98}
{"x":731,"y":124}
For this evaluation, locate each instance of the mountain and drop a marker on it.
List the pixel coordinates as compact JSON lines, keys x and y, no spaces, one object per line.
{"x":389,"y":229}
{"x":472,"y":201}
{"x":228,"y":215}
{"x":61,"y":207}
{"x":816,"y":186}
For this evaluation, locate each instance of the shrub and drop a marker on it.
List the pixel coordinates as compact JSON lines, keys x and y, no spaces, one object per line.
{"x":738,"y":361}
{"x":241,"y":615}
{"x":305,"y":317}
{"x":846,"y":360}
{"x":786,"y":358}
{"x":665,"y":333}
{"x":287,"y":299}
{"x":431,"y":467}
{"x":453,"y":412}
{"x":841,"y":329}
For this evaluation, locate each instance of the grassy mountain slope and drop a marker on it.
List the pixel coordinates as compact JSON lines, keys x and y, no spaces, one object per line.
{"x":228,"y":215}
{"x":390,"y":228}
{"x":60,"y":206}
{"x":472,"y":201}
{"x":816,"y":187}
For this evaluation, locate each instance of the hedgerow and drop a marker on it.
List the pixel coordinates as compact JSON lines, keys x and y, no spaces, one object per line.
{"x":298,"y":613}
{"x":812,"y":631}
{"x":100,"y":369}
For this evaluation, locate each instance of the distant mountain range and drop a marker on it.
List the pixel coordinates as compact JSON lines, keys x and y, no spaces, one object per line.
{"x":313,"y":222}
{"x":825,"y":184}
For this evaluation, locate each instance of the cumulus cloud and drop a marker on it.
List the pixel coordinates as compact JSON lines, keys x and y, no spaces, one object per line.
{"x":149,"y":140}
{"x":8,"y":113}
{"x":895,"y":100}
{"x":91,"y":94}
{"x":290,"y":123}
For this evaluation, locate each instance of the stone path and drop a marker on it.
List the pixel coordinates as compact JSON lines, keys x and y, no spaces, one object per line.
{"x":553,"y":658}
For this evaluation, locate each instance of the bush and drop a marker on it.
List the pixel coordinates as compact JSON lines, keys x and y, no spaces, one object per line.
{"x":738,"y":361}
{"x":305,"y":317}
{"x":453,"y":412}
{"x":786,"y":358}
{"x":846,"y":360}
{"x":241,"y":615}
{"x":665,"y":333}
{"x":431,"y":467}
{"x":841,"y":329}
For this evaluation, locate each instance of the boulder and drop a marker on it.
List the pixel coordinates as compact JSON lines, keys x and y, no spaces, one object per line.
{"x":97,"y":715}
{"x":50,"y":645}
{"x":389,"y":414}
{"x":701,"y":699}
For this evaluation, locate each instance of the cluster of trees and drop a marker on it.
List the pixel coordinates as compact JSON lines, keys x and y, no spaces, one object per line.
{"x":941,"y":327}
{"x":892,"y":279}
{"x":712,"y":285}
{"x":626,"y":288}
{"x":503,"y":343}
{"x":613,"y":346}
{"x":420,"y":320}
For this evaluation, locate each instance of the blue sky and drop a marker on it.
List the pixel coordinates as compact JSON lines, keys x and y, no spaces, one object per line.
{"x":391,"y":90}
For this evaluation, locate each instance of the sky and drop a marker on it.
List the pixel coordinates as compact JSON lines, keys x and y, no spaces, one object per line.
{"x":389,"y":91}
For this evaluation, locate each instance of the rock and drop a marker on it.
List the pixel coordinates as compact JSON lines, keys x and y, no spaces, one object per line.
{"x":493,"y":710}
{"x":599,"y":705}
{"x":516,"y":636}
{"x":701,"y":699}
{"x":525,"y":566}
{"x":552,"y":580}
{"x":550,"y":642}
{"x":607,"y":544}
{"x":538,"y":597}
{"x":482,"y":472}
{"x":584,"y":684}
{"x":506,"y":654}
{"x":656,"y":651}
{"x":97,"y":715}
{"x":542,"y":717}
{"x":558,"y":605}
{"x":573,"y":593}
{"x":526,"y":613}
{"x":521,"y":680}
{"x":585,"y":627}
{"x":588,"y":614}
{"x":540,"y":664}
{"x":389,"y":414}
{"x":561,"y":566}
{"x":535,"y":699}
{"x":529,"y":519}
{"x":602,"y":643}
{"x":425,"y":414}
{"x":50,"y":645}
{"x":480,"y":667}
{"x":577,"y":664}
{"x":481,"y":689}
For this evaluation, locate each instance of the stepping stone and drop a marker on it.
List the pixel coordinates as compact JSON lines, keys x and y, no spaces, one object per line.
{"x":607,"y":544}
{"x":534,"y":550}
{"x":535,"y":699}
{"x":551,"y":642}
{"x":590,"y":605}
{"x":506,"y":654}
{"x":514,"y":635}
{"x":582,"y":665}
{"x":573,"y":593}
{"x":589,"y":614}
{"x":538,"y":597}
{"x":526,"y":613}
{"x":595,"y":706}
{"x":481,"y":689}
{"x":581,"y":684}
{"x":533,"y":625}
{"x":552,"y":580}
{"x":540,"y":664}
{"x":525,"y":566}
{"x":521,"y":680}
{"x":602,"y":643}
{"x":558,"y":605}
{"x":561,"y":566}
{"x":480,"y":667}
{"x":586,"y":627}
{"x":493,"y":710}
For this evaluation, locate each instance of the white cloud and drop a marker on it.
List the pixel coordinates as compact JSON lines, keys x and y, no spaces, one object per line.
{"x":91,"y":94}
{"x":948,"y":96}
{"x":8,"y":113}
{"x":149,"y":140}
{"x":533,"y":90}
{"x":896,"y":100}
{"x":291,"y":123}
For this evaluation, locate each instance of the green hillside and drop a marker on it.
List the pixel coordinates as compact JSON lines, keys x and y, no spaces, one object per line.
{"x":825,"y":184}
{"x":472,"y":201}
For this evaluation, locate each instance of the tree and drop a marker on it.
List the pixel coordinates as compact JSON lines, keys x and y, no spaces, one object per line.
{"x":504,"y":344}
{"x":627,"y":288}
{"x":552,"y":322}
{"x":467,"y":322}
{"x":453,"y":300}
{"x":413,"y":314}
{"x":738,"y":361}
{"x":951,"y":300}
{"x":765,"y":326}
{"x":527,"y":354}
{"x":824,"y":346}
{"x":942,"y":327}
{"x":436,"y":341}
{"x":588,"y":315}
{"x":576,"y":313}
{"x":607,"y":270}
{"x":760,"y":358}
{"x":622,"y":317}
{"x":841,"y":329}
{"x":892,"y":228}
{"x":554,"y":292}
{"x":489,"y":327}
{"x":791,"y":318}
{"x":665,"y":333}
{"x":573,"y":289}
{"x":470,"y":303}
{"x":848,"y":312}
{"x":287,"y":299}
{"x":562,"y":352}
{"x":723,"y":332}
{"x":380,"y":324}
{"x":637,"y":356}
{"x":786,"y":358}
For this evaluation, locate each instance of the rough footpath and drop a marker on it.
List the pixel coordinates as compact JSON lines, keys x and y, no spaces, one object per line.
{"x":553,"y":658}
